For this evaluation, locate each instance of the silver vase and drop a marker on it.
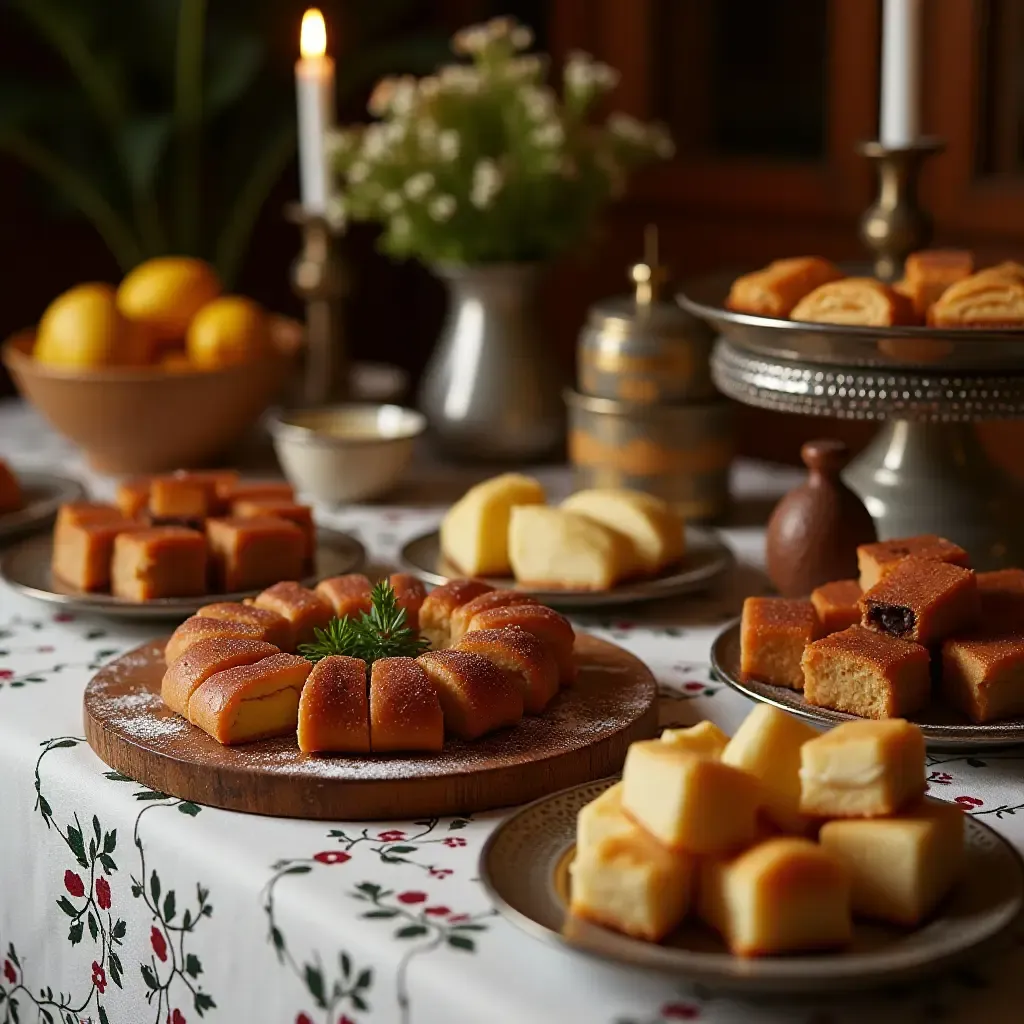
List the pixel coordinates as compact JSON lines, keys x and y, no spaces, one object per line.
{"x":491,"y":391}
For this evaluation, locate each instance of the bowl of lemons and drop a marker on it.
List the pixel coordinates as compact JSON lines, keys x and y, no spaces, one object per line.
{"x":162,"y":371}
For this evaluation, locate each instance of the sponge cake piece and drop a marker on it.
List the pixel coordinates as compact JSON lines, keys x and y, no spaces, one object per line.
{"x":474,"y":532}
{"x":704,"y":738}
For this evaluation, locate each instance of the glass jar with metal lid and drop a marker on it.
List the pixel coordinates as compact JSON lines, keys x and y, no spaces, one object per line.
{"x":642,"y":350}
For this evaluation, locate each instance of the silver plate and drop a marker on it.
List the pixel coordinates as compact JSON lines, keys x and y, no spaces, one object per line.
{"x":26,"y":568}
{"x":44,"y":493}
{"x":524,"y":864}
{"x":707,"y":558}
{"x":943,"y":728}
{"x":925,"y":348}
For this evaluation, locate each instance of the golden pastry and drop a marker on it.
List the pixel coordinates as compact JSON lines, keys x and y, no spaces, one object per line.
{"x":405,"y":712}
{"x":992,"y":298}
{"x":163,"y":561}
{"x":198,"y":628}
{"x":854,"y":300}
{"x":527,"y":660}
{"x":250,"y":553}
{"x":544,"y":623}
{"x":410,"y":595}
{"x":775,"y":290}
{"x":334,"y":709}
{"x":348,"y":595}
{"x":304,"y":609}
{"x":276,"y":628}
{"x":439,"y":606}
{"x":928,"y":273}
{"x":201,"y":661}
{"x":704,"y":738}
{"x":279,"y":508}
{"x":83,"y":544}
{"x":462,"y":616}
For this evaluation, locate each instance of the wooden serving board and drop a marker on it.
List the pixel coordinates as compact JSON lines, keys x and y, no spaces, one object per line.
{"x":583,"y":735}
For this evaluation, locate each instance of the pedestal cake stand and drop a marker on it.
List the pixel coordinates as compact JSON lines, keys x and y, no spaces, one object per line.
{"x":925,"y":471}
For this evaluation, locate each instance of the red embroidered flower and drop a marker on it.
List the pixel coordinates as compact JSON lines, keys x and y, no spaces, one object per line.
{"x":693,"y":686}
{"x":943,"y":778}
{"x":391,"y":836}
{"x":6,"y":673}
{"x":303,"y":1019}
{"x":63,"y":617}
{"x":456,"y":918}
{"x":9,"y":973}
{"x":437,"y":911}
{"x":680,"y":1011}
{"x":331,"y":857}
{"x":177,"y":1017}
{"x":454,"y":841}
{"x":969,"y":801}
{"x":103,"y":893}
{"x":44,"y":650}
{"x":345,"y":1019}
{"x":99,"y":977}
{"x":440,"y":872}
{"x":159,"y":943}
{"x":74,"y":884}
{"x":623,"y":626}
{"x":412,"y":897}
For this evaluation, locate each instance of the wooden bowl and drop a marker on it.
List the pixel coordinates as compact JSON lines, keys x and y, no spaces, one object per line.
{"x":147,"y":419}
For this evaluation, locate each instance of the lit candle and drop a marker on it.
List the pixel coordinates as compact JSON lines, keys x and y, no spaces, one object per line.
{"x":314,"y":84}
{"x":900,"y":116}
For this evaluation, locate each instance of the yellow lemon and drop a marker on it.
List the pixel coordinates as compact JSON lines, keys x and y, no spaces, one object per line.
{"x":83,"y":328}
{"x":177,"y":362}
{"x":229,"y":330}
{"x":165,"y":293}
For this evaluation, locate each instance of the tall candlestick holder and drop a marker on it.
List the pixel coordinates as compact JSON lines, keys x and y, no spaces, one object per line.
{"x":895,"y":225}
{"x":318,"y":278}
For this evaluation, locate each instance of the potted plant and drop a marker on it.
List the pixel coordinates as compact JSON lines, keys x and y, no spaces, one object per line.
{"x":485,"y":173}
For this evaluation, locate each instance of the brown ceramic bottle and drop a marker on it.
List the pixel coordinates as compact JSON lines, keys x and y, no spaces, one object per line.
{"x":814,"y":530}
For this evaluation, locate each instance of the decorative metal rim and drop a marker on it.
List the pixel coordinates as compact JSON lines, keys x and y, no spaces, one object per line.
{"x":864,"y":393}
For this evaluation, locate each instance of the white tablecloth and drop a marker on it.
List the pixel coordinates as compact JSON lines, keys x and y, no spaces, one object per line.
{"x":122,"y":905}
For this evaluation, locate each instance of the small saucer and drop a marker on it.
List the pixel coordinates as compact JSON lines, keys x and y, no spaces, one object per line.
{"x":44,"y":493}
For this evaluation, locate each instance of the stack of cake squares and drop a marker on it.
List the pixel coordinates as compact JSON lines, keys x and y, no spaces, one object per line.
{"x":917,"y":626}
{"x":777,"y":838}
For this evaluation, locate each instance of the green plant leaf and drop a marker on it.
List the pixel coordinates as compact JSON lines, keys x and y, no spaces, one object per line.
{"x":238,"y":61}
{"x":315,"y":983}
{"x":462,"y":942}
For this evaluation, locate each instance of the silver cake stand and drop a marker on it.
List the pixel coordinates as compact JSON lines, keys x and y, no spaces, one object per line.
{"x":925,"y":471}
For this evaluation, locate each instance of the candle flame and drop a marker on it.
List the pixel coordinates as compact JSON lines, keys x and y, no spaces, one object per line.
{"x":313,"y":36}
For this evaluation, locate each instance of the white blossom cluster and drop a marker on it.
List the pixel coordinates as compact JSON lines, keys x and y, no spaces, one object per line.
{"x":484,"y":161}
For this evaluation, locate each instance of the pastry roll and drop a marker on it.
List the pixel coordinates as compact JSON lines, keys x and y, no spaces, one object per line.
{"x":439,"y":606}
{"x":405,"y":712}
{"x":305,"y":610}
{"x":464,"y":614}
{"x":198,"y":627}
{"x":927,"y":274}
{"x":202,"y":660}
{"x":855,"y":300}
{"x":348,"y":595}
{"x":775,"y":290}
{"x":334,"y":709}
{"x":544,"y":623}
{"x":277,"y":628}
{"x":410,"y":595}
{"x":991,"y":298}
{"x":527,"y":660}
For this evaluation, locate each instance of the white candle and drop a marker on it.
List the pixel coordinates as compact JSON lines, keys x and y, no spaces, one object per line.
{"x":900,"y":116}
{"x":314,"y":85}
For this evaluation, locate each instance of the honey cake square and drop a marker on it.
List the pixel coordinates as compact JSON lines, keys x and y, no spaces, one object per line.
{"x":862,"y":769}
{"x":875,"y":560}
{"x":177,"y":498}
{"x":247,"y":554}
{"x":132,"y":496}
{"x":773,"y":634}
{"x":160,"y":561}
{"x":922,"y":601}
{"x":213,"y":481}
{"x":300,"y":515}
{"x":836,"y":605}
{"x":84,"y":545}
{"x":1001,"y":595}
{"x":984,"y":676}
{"x":866,"y":673}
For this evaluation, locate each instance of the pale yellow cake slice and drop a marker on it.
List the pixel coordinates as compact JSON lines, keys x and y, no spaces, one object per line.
{"x":902,"y":866}
{"x":767,"y":744}
{"x":552,"y":549}
{"x":785,"y":895}
{"x":653,"y":528}
{"x":601,"y":818}
{"x":704,"y":738}
{"x":474,"y":532}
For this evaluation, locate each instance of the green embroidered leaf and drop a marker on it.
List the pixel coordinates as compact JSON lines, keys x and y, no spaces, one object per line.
{"x":369,"y":888}
{"x":92,"y":850}
{"x":12,"y":1007}
{"x":117,"y":777}
{"x":359,"y":1002}
{"x":411,"y":931}
{"x":103,"y":1015}
{"x":96,"y":829}
{"x":120,"y":927}
{"x":457,"y":823}
{"x":116,"y":971}
{"x":94,"y":929}
{"x":315,"y":984}
{"x":365,"y":978}
{"x":462,"y":942}
{"x":110,"y":841}
{"x":74,"y":837}
{"x":346,"y":965}
{"x":136,"y":890}
{"x":109,"y":867}
{"x":203,"y":1002}
{"x":63,"y":744}
{"x":186,"y":921}
{"x":65,"y":904}
{"x":193,"y":966}
{"x":189,"y":808}
{"x":208,"y":910}
{"x":13,"y":956}
{"x":277,"y":938}
{"x":150,"y":794}
{"x":154,"y":887}
{"x":297,"y":869}
{"x":380,"y":914}
{"x":44,"y":807}
{"x":149,"y":977}
{"x":469,"y":927}
{"x":401,"y":849}
{"x":75,"y":933}
{"x":170,"y":908}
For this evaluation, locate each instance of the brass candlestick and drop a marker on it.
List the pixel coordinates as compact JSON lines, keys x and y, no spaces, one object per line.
{"x":318,"y":278}
{"x":895,"y":225}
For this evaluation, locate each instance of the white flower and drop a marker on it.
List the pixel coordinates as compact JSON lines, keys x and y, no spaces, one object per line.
{"x":391,"y":202}
{"x":336,"y":213}
{"x":521,"y":37}
{"x":401,"y":225}
{"x":441,"y":208}
{"x":337,"y":143}
{"x":375,"y":142}
{"x":404,"y":99}
{"x":530,"y":67}
{"x":358,"y":172}
{"x":419,"y":185}
{"x":429,"y":86}
{"x":460,"y":79}
{"x":426,"y":131}
{"x":471,"y":39}
{"x":393,"y":94}
{"x":487,"y":183}
{"x":627,"y":128}
{"x":584,"y":75}
{"x":539,"y":102}
{"x":549,"y":135}
{"x":395,"y":132}
{"x":448,"y":144}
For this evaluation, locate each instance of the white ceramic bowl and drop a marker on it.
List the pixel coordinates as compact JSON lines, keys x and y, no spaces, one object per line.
{"x":346,"y":453}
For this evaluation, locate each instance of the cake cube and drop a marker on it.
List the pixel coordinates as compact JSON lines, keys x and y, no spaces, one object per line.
{"x":704,"y":738}
{"x":876,"y":560}
{"x":902,"y":866}
{"x":334,"y":709}
{"x":162,"y":561}
{"x":198,"y":628}
{"x":922,"y":601}
{"x":213,"y":481}
{"x":1001,"y":595}
{"x":837,"y":606}
{"x":180,"y":498}
{"x":11,"y":498}
{"x":247,"y":554}
{"x":65,"y":535}
{"x":601,"y":818}
{"x":83,"y":547}
{"x":866,"y":673}
{"x":785,"y":895}
{"x":984,"y":676}
{"x":305,"y":610}
{"x":300,"y":515}
{"x":773,"y":634}
{"x":277,"y":630}
{"x":632,"y":884}
{"x":132,"y":496}
{"x":231,"y":491}
{"x":410,"y":595}
{"x":862,"y":769}
{"x":688,"y":802}
{"x":250,"y":702}
{"x":348,"y":595}
{"x":767,"y":745}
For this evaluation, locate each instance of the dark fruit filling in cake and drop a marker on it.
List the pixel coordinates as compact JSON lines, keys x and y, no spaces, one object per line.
{"x":893,"y":619}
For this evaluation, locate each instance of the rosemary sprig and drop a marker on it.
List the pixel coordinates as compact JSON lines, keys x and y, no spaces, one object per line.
{"x":382,"y":633}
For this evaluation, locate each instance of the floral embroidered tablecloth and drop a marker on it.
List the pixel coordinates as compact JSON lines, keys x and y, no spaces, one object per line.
{"x":123,"y":905}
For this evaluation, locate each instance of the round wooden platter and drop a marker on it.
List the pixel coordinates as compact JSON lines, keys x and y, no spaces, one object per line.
{"x":583,"y":735}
